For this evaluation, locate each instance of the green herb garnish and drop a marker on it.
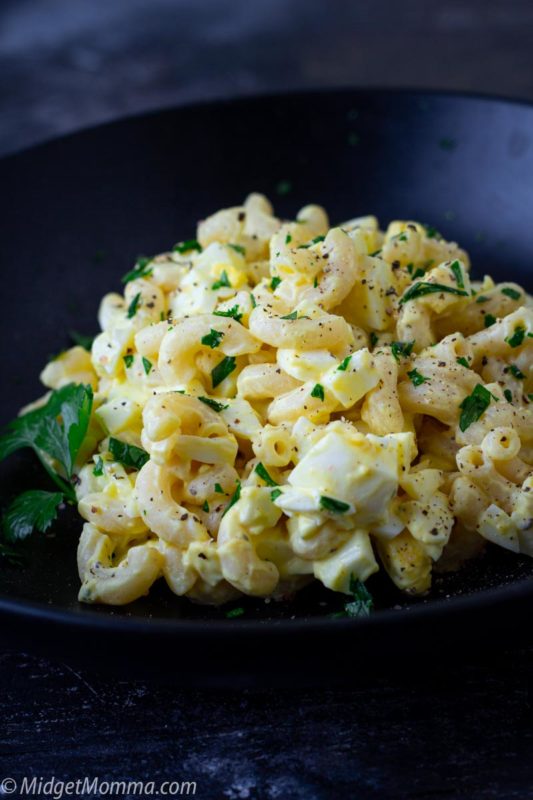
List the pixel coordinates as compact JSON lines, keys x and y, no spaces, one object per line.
{"x":213,"y":404}
{"x":275,"y":494}
{"x":80,"y":339}
{"x":363,"y":603}
{"x":482,"y":299}
{"x":316,"y":240}
{"x":147,"y":364}
{"x":205,"y":507}
{"x":416,"y":378}
{"x":489,"y":320}
{"x":507,"y":393}
{"x":401,"y":349}
{"x":134,"y":305}
{"x":292,"y":315}
{"x":515,"y":372}
{"x":185,"y":247}
{"x":343,"y":366}
{"x":422,"y":288}
{"x":223,"y":281}
{"x":212,"y":339}
{"x":222,"y":370}
{"x":517,"y":338}
{"x":235,"y":612}
{"x":254,"y":302}
{"x":374,"y":339}
{"x":238,"y":248}
{"x":458,"y":274}
{"x":288,"y":239}
{"x":231,"y":312}
{"x":233,"y":499}
{"x":140,"y":270}
{"x":463,"y":362}
{"x":318,"y":391}
{"x":128,"y":360}
{"x":261,"y":470}
{"x":274,"y":283}
{"x":333,"y":505}
{"x":474,"y":406}
{"x":512,"y":293}
{"x":32,"y":510}
{"x":128,"y":454}
{"x":98,"y":468}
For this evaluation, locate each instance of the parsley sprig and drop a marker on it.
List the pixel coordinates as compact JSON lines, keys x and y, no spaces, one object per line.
{"x":422,"y":288}
{"x":55,"y":432}
{"x":474,"y":406}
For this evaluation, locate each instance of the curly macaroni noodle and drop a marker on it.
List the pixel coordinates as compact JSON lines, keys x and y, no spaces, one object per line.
{"x":308,"y":403}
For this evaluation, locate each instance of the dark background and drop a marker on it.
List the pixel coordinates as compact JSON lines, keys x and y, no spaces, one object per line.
{"x":460,"y":730}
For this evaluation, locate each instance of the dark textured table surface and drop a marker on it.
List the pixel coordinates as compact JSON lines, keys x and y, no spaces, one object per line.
{"x":460,"y":731}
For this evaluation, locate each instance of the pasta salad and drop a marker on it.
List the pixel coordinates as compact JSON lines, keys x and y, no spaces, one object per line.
{"x":278,"y":402}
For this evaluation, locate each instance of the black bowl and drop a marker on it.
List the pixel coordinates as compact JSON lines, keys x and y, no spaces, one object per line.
{"x":78,"y":210}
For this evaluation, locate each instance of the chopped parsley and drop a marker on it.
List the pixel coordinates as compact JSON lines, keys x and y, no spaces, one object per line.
{"x":222,"y":370}
{"x":474,"y":406}
{"x":458,"y":274}
{"x":223,"y":281}
{"x":98,"y":468}
{"x":489,"y":320}
{"x":261,"y":470}
{"x":235,"y":612}
{"x":343,"y":366}
{"x":422,"y":288}
{"x":216,"y":406}
{"x":205,"y":507}
{"x":318,"y":391}
{"x":512,"y":293}
{"x":128,"y":454}
{"x":128,"y":360}
{"x":187,"y":245}
{"x":463,"y":362}
{"x":416,"y":378}
{"x":316,"y":240}
{"x":432,"y":233}
{"x":231,"y":312}
{"x":140,"y":270}
{"x":275,"y":282}
{"x":147,"y":364}
{"x":363,"y":603}
{"x":292,"y":315}
{"x":374,"y":339}
{"x":515,"y":372}
{"x":254,"y":302}
{"x":212,"y":339}
{"x":238,"y":248}
{"x":315,"y":282}
{"x":288,"y":239}
{"x":31,"y":510}
{"x":482,"y":299}
{"x":507,"y":393}
{"x":275,"y":494}
{"x":517,"y":338}
{"x":401,"y":349}
{"x":134,"y":305}
{"x":333,"y":505}
{"x":219,"y":489}
{"x":233,"y":499}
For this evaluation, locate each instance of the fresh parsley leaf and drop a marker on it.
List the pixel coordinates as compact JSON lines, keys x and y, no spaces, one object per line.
{"x":458,"y":274}
{"x":231,"y":312}
{"x":147,"y":364}
{"x":254,"y":302}
{"x":238,"y":248}
{"x":98,"y":469}
{"x":463,"y":362}
{"x":401,"y":349}
{"x":223,"y":281}
{"x":288,"y":239}
{"x":187,"y":245}
{"x":134,"y":305}
{"x":422,"y":288}
{"x":219,"y":489}
{"x":275,"y":494}
{"x":343,"y":366}
{"x":512,"y":293}
{"x":474,"y":406}
{"x":233,"y":499}
{"x":333,"y":505}
{"x":374,"y":339}
{"x":507,"y":393}
{"x":432,"y":233}
{"x":56,"y":429}
{"x":275,"y":282}
{"x":33,"y":510}
{"x":128,"y":360}
{"x":235,"y":612}
{"x":488,"y":320}
{"x":140,"y":270}
{"x":363,"y":603}
{"x":213,"y":404}
{"x":205,"y":507}
{"x":80,"y":339}
{"x":482,"y":299}
{"x":515,"y":372}
{"x":261,"y":470}
{"x":315,"y":283}
{"x":292,"y":315}
{"x":318,"y":391}
{"x":222,"y":370}
{"x":517,"y":338}
{"x":212,"y":339}
{"x":128,"y":454}
{"x":416,"y":378}
{"x":375,"y":254}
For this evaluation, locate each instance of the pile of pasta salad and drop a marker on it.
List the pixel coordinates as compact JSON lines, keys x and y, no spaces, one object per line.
{"x":278,"y":402}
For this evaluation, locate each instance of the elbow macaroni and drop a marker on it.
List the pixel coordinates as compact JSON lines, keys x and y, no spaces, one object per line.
{"x":313,"y":402}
